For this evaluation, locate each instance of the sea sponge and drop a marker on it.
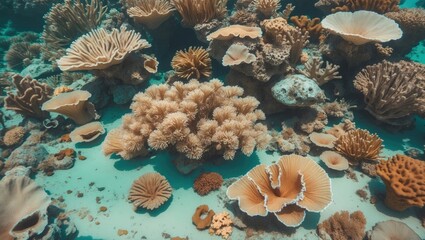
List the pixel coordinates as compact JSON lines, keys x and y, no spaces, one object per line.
{"x":202,"y":222}
{"x":196,"y":119}
{"x":74,"y":105}
{"x":235,"y":31}
{"x":287,"y":189}
{"x":30,"y":96}
{"x":334,"y":160}
{"x":391,"y":229}
{"x":150,"y":12}
{"x":87,"y":132}
{"x":267,"y":8}
{"x":404,"y":180}
{"x":343,"y":226}
{"x":200,"y":11}
{"x":323,"y":140}
{"x":386,"y":102}
{"x":207,"y":182}
{"x":362,"y":27}
{"x":150,"y":191}
{"x":14,"y":136}
{"x":359,"y":145}
{"x":25,"y":213}
{"x":238,"y":54}
{"x":221,"y":225}
{"x":194,"y":62}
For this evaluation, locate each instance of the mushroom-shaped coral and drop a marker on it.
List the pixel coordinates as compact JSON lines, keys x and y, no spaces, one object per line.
{"x":194,"y":62}
{"x":14,"y":136}
{"x":237,"y":54}
{"x":23,"y":211}
{"x":29,"y":98}
{"x":151,"y":12}
{"x":361,"y":27}
{"x":235,"y":31}
{"x":150,"y":191}
{"x":87,"y":132}
{"x":359,"y":145}
{"x":207,"y":182}
{"x":334,"y":160}
{"x":202,"y":222}
{"x":200,"y":11}
{"x":287,"y":189}
{"x":394,"y":230}
{"x":404,"y":178}
{"x":343,"y":225}
{"x":99,"y":49}
{"x":323,"y":140}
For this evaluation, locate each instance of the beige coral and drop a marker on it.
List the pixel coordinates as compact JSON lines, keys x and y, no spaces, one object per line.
{"x":268,"y":8}
{"x":194,"y":62}
{"x":151,"y":13}
{"x":235,"y":31}
{"x":343,"y":226}
{"x":87,"y":132}
{"x":221,"y":225}
{"x":200,"y":11}
{"x":314,"y":70}
{"x":238,"y":54}
{"x":14,"y":136}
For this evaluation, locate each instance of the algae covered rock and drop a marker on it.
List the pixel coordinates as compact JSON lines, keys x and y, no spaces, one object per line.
{"x":297,"y":91}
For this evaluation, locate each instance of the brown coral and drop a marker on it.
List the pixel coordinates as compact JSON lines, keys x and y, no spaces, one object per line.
{"x":30,"y":96}
{"x":194,"y":62}
{"x":313,"y":69}
{"x":359,"y":145}
{"x":202,"y":222}
{"x":207,"y":182}
{"x":14,"y":136}
{"x":312,"y":26}
{"x":221,"y":225}
{"x":150,"y":191}
{"x":200,"y":11}
{"x":267,"y":8}
{"x":404,"y":178}
{"x":343,"y":226}
{"x":379,"y":6}
{"x":150,"y":12}
{"x":20,"y":54}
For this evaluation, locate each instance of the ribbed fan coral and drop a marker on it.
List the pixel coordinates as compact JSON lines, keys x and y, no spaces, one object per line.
{"x":196,"y":119}
{"x":194,"y":62}
{"x":288,"y":189}
{"x":150,"y":12}
{"x":200,"y":11}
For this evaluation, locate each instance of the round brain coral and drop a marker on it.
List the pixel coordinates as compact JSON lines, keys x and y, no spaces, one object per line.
{"x":150,"y":191}
{"x":194,"y":62}
{"x":207,"y":182}
{"x":404,"y":178}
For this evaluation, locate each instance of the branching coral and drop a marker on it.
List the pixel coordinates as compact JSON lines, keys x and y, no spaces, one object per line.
{"x":314,"y":70}
{"x":196,"y":119}
{"x":343,"y":226}
{"x":194,"y":62}
{"x":389,"y":87}
{"x":221,"y":225}
{"x":359,"y":145}
{"x":312,"y":26}
{"x":20,"y":54}
{"x":379,"y":6}
{"x":207,"y":182}
{"x":200,"y":11}
{"x":30,"y":96}
{"x":150,"y":12}
{"x":404,"y":178}
{"x":68,"y":21}
{"x":268,"y":8}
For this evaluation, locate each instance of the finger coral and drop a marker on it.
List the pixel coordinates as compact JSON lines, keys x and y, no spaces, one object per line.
{"x":200,"y":11}
{"x":202,"y":222}
{"x":207,"y":182}
{"x":288,"y":189}
{"x":194,"y":62}
{"x":150,"y":12}
{"x":29,"y":98}
{"x":150,"y":191}
{"x":196,"y":119}
{"x":404,"y":180}
{"x":221,"y":225}
{"x":343,"y":226}
{"x":359,"y":145}
{"x":389,"y":87}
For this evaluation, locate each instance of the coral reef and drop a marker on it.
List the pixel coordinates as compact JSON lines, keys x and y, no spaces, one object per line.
{"x":151,"y":13}
{"x":150,"y":191}
{"x":194,"y":62}
{"x":207,"y":182}
{"x":378,"y":6}
{"x":343,"y":226}
{"x":221,"y":225}
{"x":202,"y":222}
{"x":312,"y":26}
{"x":404,"y":180}
{"x":201,"y":11}
{"x":288,"y":141}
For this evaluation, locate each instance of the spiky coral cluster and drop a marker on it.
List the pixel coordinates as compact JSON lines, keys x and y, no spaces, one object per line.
{"x":194,"y":62}
{"x":196,"y":119}
{"x":200,"y":11}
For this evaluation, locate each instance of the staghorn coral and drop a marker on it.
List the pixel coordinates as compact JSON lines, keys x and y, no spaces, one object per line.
{"x":312,"y":69}
{"x":200,"y":11}
{"x":69,"y":20}
{"x":312,"y":26}
{"x":30,"y":96}
{"x":200,"y":222}
{"x":389,"y":87}
{"x":194,"y":62}
{"x":14,"y":136}
{"x":151,"y":13}
{"x":378,"y":6}
{"x":288,"y":189}
{"x":207,"y":182}
{"x":359,"y":145}
{"x":404,"y":180}
{"x":221,"y":225}
{"x":150,"y":191}
{"x":196,"y":119}
{"x":267,"y":8}
{"x":20,"y":54}
{"x":343,"y":226}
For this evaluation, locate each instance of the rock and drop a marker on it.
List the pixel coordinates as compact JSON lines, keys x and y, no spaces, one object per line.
{"x":27,"y":155}
{"x":297,"y":91}
{"x":99,"y":92}
{"x":38,"y":69}
{"x":123,"y":94}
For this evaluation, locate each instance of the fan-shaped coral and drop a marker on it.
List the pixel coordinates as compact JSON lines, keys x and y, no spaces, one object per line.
{"x":207,"y":182}
{"x":334,"y":160}
{"x":404,"y":178}
{"x":200,"y":11}
{"x":392,"y":230}
{"x":150,"y":12}
{"x":288,"y":188}
{"x":324,"y":140}
{"x":235,"y":31}
{"x":150,"y":191}
{"x":362,"y":27}
{"x":194,"y":62}
{"x":87,"y":132}
{"x":23,"y":211}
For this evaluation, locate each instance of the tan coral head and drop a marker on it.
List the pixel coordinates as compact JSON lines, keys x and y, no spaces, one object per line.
{"x":87,"y":132}
{"x":334,"y":160}
{"x":324,"y":140}
{"x":361,"y":27}
{"x":74,"y":105}
{"x":235,"y":31}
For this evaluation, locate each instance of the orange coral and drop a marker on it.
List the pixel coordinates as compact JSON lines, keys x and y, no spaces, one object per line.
{"x":379,"y":6}
{"x":343,"y":226}
{"x":207,"y":182}
{"x":312,"y":26}
{"x":205,"y":222}
{"x":221,"y":225}
{"x":404,"y":178}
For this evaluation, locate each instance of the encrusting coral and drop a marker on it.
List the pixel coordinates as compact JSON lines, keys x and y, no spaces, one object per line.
{"x":221,"y":225}
{"x":150,"y":191}
{"x":343,"y":226}
{"x":389,"y":87}
{"x":207,"y":182}
{"x":202,"y":222}
{"x":200,"y":11}
{"x":404,"y":179}
{"x":196,"y":119}
{"x":194,"y":62}
{"x":29,"y":98}
{"x":313,"y":69}
{"x":287,"y":189}
{"x":151,"y":13}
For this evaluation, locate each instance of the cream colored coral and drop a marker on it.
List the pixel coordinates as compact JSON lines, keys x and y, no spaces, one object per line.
{"x":237,"y":54}
{"x":221,"y":225}
{"x":200,"y":11}
{"x":99,"y":49}
{"x":235,"y":31}
{"x":14,"y":136}
{"x":195,"y":62}
{"x":151,"y":12}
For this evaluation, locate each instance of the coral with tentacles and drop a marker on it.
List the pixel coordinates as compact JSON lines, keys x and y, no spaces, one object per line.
{"x":200,"y":11}
{"x":194,"y":62}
